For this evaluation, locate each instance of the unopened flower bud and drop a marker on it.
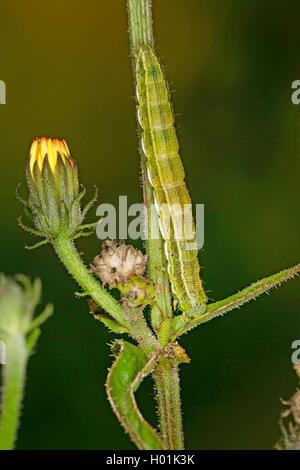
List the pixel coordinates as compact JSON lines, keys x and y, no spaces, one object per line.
{"x":137,"y":292}
{"x":54,"y":196}
{"x":18,"y":300}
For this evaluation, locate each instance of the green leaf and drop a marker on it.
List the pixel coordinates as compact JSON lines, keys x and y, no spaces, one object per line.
{"x":106,"y":319}
{"x":111,"y":324}
{"x":164,"y":331}
{"x":31,"y":340}
{"x":125,"y":376}
{"x":183,"y":323}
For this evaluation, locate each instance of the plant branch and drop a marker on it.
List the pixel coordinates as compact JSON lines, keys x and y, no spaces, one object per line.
{"x":66,"y":251}
{"x":140,"y":332}
{"x":166,"y":378}
{"x":183,"y":323}
{"x":140,"y":23}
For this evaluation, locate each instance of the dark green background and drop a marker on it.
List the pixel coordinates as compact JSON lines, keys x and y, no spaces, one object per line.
{"x":231,"y":62}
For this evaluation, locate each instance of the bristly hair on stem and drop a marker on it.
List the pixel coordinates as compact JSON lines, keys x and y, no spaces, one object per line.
{"x":54,"y":206}
{"x":141,"y":34}
{"x":165,"y":377}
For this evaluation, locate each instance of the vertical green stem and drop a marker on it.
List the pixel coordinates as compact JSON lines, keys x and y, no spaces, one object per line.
{"x":166,"y":378}
{"x":141,"y":32}
{"x":165,"y":375}
{"x":140,"y":332}
{"x":14,"y":373}
{"x":140,"y":22}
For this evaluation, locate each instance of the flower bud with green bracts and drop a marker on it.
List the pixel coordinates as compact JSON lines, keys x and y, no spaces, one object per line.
{"x":54,"y":192}
{"x":137,"y":292}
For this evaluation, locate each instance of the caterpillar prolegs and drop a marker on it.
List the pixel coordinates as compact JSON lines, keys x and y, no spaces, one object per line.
{"x":166,"y":175}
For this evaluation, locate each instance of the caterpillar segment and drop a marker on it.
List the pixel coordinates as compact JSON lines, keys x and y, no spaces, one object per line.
{"x":166,"y":175}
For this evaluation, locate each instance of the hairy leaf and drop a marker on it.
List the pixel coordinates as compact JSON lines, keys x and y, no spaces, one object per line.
{"x":126,"y":374}
{"x":183,"y":323}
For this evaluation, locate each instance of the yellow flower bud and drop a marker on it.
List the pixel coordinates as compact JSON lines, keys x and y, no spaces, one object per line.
{"x":54,"y":197}
{"x":45,"y":147}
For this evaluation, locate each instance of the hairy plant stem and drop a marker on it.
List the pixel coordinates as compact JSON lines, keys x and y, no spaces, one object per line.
{"x":141,"y":32}
{"x":66,"y":251}
{"x":140,"y":22}
{"x":131,"y":319}
{"x":140,"y":331}
{"x":14,"y":374}
{"x":166,"y":372}
{"x":166,"y":378}
{"x":183,"y":323}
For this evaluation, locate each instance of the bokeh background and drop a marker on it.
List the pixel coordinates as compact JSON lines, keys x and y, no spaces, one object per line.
{"x":231,"y":65}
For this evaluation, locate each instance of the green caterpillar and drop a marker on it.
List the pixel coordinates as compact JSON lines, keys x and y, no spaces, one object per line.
{"x":166,"y":175}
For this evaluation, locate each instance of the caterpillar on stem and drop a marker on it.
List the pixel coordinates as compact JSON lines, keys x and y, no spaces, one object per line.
{"x":166,"y":175}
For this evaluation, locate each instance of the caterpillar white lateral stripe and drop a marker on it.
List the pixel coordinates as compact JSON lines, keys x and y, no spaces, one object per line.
{"x":166,"y":175}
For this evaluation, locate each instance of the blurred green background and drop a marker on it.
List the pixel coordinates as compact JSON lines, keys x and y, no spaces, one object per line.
{"x":68,"y":74}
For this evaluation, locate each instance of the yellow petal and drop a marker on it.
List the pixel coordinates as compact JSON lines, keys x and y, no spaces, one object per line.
{"x":33,"y":154}
{"x":42,"y":146}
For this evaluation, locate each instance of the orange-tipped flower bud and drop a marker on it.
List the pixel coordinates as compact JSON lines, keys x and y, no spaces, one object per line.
{"x":54,"y":197}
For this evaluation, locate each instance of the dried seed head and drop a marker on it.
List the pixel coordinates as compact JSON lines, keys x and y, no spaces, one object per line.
{"x":295,"y":407}
{"x":118,"y":263}
{"x":297,"y":369}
